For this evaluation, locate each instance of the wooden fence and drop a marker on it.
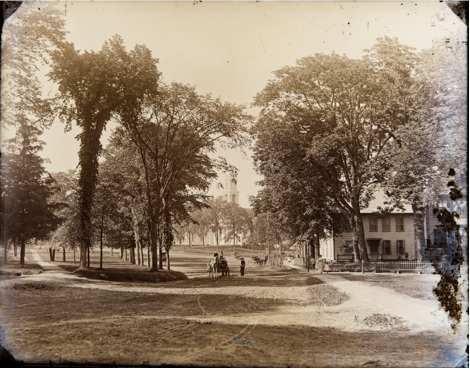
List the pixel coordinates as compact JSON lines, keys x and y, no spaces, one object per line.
{"x":405,"y":266}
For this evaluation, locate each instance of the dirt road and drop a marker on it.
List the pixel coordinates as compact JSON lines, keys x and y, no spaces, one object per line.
{"x":266,"y":313}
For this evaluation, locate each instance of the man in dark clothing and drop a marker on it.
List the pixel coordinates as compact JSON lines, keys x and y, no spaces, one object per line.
{"x":242,"y":267}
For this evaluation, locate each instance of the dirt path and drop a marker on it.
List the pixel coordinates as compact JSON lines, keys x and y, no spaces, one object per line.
{"x":364,"y":301}
{"x":267,"y":318}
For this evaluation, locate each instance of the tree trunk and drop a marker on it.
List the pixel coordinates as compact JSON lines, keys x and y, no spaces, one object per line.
{"x":5,"y":252}
{"x":307,"y":253}
{"x":132,"y":253}
{"x":64,"y":257}
{"x":88,"y":254}
{"x":203,"y":242}
{"x":101,"y":254}
{"x":168,"y":259}
{"x":125,"y":254}
{"x":22,"y":251}
{"x":112,"y":251}
{"x":217,"y":240}
{"x":74,"y":260}
{"x":122,"y":252}
{"x":355,"y":248}
{"x":90,"y":147}
{"x":160,"y":253}
{"x":15,"y":249}
{"x":418,"y":224}
{"x":135,"y":225}
{"x":101,"y":237}
{"x":190,"y":241}
{"x":83,"y":255}
{"x":153,"y":247}
{"x":358,"y":230}
{"x":142,"y":253}
{"x":362,"y":241}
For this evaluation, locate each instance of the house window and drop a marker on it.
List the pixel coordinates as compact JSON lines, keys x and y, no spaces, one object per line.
{"x":374,"y":246}
{"x":387,"y":248}
{"x":385,"y":224}
{"x":401,"y":247}
{"x":400,"y":224}
{"x":373,"y":225}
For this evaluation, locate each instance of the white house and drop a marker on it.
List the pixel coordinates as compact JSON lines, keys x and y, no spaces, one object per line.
{"x":389,"y":237}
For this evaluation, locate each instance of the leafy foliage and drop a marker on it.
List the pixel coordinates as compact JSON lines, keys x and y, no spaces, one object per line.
{"x":92,"y":87}
{"x":26,"y":188}
{"x":330,"y":118}
{"x":174,"y":133}
{"x":29,"y":37}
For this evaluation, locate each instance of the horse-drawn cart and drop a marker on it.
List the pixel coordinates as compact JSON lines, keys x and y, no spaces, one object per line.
{"x":260,"y":261}
{"x":219,"y":265}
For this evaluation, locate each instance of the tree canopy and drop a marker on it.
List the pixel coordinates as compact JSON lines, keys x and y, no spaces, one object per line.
{"x":340,"y":115}
{"x":174,"y":133}
{"x":94,"y":86}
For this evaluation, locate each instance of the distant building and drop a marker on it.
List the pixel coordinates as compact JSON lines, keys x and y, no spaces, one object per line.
{"x":231,"y":195}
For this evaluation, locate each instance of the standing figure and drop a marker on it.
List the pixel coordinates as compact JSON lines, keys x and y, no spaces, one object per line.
{"x":213,"y":265}
{"x":224,"y":266}
{"x":242,"y":267}
{"x":216,"y":262}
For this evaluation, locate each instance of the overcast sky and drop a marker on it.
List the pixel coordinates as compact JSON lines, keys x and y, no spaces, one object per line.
{"x":229,"y":49}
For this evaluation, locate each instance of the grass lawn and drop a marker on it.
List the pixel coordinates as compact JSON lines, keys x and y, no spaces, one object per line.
{"x":13,"y":267}
{"x":417,"y":286}
{"x":45,"y":323}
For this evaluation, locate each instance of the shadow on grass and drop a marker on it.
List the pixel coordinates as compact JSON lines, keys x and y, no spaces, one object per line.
{"x":129,"y":275}
{"x":252,"y":281}
{"x":12,"y":269}
{"x":69,"y":267}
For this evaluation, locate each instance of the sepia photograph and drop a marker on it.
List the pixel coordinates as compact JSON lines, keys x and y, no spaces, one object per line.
{"x":234,"y":184}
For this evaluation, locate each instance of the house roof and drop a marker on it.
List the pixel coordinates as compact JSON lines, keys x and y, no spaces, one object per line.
{"x":379,"y":200}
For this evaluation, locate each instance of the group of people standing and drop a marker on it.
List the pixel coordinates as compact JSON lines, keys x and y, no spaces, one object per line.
{"x":219,"y":262}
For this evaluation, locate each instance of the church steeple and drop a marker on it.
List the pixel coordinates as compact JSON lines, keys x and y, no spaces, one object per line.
{"x":230,"y":186}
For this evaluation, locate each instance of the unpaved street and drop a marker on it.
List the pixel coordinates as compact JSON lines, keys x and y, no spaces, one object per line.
{"x":307,"y":319}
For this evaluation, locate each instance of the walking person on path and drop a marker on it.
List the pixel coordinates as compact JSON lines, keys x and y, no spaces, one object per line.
{"x":242,"y":267}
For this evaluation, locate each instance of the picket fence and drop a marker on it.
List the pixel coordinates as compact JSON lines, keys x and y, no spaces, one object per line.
{"x":408,"y":266}
{"x":405,"y":266}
